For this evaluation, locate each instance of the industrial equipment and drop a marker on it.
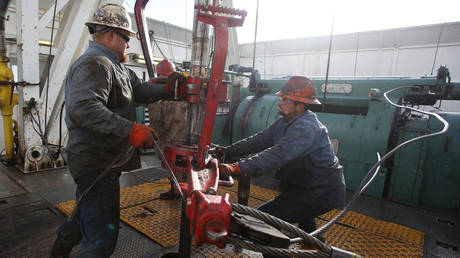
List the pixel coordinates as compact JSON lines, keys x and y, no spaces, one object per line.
{"x":206,"y":216}
{"x":361,"y":123}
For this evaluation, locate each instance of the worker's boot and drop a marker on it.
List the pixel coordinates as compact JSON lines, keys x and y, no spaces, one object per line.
{"x":60,"y":250}
{"x":65,"y":242}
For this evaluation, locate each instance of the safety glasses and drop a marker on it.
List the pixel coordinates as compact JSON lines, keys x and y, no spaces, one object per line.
{"x":123,"y":36}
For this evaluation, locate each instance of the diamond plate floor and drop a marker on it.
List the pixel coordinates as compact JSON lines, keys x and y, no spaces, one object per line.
{"x":33,"y":196}
{"x":160,"y":221}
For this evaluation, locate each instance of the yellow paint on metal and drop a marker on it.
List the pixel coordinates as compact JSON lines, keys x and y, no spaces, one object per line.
{"x":379,"y":227}
{"x":368,"y":244}
{"x":254,"y":191}
{"x":160,"y":221}
{"x":8,"y":100}
{"x":134,"y":195}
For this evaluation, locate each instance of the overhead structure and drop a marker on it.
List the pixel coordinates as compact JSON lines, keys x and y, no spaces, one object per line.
{"x":37,"y":147}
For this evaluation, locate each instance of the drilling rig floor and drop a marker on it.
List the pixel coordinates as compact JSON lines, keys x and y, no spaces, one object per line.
{"x":150,"y":227}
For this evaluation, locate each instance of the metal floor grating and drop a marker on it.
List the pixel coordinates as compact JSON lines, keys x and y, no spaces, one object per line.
{"x":379,"y":227}
{"x":160,"y":221}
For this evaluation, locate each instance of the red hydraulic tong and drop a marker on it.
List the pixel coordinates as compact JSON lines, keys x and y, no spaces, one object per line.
{"x":207,"y":215}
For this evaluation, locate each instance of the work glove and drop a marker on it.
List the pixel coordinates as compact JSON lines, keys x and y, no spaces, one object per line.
{"x":142,"y":136}
{"x":226,"y":170}
{"x":172,"y":79}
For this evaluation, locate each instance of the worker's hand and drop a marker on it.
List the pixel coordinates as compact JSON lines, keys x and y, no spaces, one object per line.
{"x":172,"y":79}
{"x":142,"y":136}
{"x":218,"y":152}
{"x":226,"y":170}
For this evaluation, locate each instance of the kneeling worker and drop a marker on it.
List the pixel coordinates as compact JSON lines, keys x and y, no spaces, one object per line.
{"x":297,"y":145}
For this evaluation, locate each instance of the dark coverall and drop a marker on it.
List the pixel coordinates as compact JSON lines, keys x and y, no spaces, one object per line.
{"x":100,"y":97}
{"x":310,"y":177}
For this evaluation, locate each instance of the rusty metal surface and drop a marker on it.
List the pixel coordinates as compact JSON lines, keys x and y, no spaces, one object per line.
{"x":160,"y":221}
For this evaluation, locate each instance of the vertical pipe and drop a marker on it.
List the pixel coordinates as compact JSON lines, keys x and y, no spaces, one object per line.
{"x":3,"y":8}
{"x":8,"y":132}
{"x":5,"y":90}
{"x":199,"y":45}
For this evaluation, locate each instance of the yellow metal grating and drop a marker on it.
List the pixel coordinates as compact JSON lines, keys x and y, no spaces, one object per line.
{"x":160,"y":221}
{"x":254,"y":191}
{"x":379,"y":227}
{"x":368,"y":244}
{"x":134,"y":195}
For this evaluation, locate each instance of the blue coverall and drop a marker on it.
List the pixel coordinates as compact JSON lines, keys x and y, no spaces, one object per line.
{"x":310,"y":177}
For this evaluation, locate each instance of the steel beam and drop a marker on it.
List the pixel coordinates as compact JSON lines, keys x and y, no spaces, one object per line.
{"x":28,"y":68}
{"x":48,"y":15}
{"x":68,"y":49}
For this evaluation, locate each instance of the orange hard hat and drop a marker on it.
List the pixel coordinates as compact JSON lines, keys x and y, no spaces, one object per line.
{"x":165,"y":67}
{"x":301,"y":89}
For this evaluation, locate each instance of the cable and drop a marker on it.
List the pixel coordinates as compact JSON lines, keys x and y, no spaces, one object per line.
{"x":437,"y":47}
{"x":36,"y":123}
{"x":366,"y":181}
{"x":280,"y":224}
{"x":255,"y":37}
{"x":154,"y":41}
{"x":99,"y":177}
{"x":168,"y":38}
{"x":58,"y":152}
{"x":328,"y":64}
{"x":266,"y":250}
{"x":45,"y":136}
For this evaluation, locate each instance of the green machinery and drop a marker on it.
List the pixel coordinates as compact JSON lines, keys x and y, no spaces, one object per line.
{"x":361,"y":123}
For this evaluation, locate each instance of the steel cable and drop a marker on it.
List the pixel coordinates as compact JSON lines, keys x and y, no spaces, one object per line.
{"x":275,"y":251}
{"x":280,"y":224}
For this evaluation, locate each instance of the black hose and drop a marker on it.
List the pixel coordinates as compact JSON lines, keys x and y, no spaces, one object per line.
{"x":58,"y":152}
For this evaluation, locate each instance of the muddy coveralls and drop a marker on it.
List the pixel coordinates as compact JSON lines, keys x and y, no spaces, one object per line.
{"x":310,"y":177}
{"x":100,"y":97}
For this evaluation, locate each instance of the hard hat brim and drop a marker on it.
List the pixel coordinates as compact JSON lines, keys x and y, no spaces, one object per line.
{"x":131,"y":33}
{"x":312,"y":101}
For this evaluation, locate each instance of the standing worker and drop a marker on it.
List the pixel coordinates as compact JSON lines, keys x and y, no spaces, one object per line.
{"x":297,"y":144}
{"x":100,"y":100}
